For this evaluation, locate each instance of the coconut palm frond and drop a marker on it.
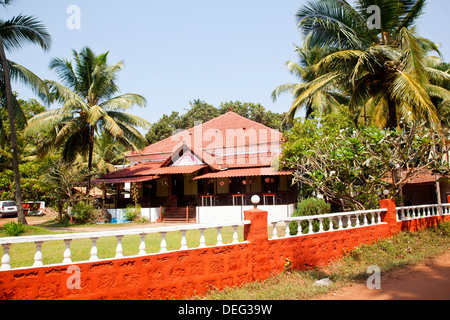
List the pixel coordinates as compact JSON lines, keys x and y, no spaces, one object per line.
{"x":124,"y":101}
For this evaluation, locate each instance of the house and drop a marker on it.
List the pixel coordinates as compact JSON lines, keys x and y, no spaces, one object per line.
{"x":205,"y":174}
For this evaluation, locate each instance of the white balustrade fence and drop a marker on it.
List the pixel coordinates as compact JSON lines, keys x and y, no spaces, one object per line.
{"x":118,"y":234}
{"x":328,"y":222}
{"x":422,"y":211}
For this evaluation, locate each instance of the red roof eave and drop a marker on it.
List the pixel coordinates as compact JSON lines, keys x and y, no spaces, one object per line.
{"x":265,"y":171}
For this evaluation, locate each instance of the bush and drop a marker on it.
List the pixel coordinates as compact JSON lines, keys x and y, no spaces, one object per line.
{"x":132,"y":213}
{"x":83,"y":212}
{"x":310,"y":207}
{"x":13,"y":229}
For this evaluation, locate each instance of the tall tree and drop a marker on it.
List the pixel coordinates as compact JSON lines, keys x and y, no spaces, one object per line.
{"x":89,"y":106}
{"x":380,"y":65}
{"x":326,"y":100}
{"x":13,"y":34}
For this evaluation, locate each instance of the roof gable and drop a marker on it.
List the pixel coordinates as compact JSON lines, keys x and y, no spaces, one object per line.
{"x":216,"y":138}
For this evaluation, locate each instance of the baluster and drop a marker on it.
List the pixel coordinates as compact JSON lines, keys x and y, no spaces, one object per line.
{"x":235,"y":235}
{"x":67,"y":252}
{"x":38,"y":255}
{"x":6,"y":259}
{"x":163,"y":242}
{"x":119,"y":248}
{"x":274,"y":230}
{"x":378,"y":218}
{"x":287,"y":232}
{"x":364,"y":215}
{"x":357,"y":224}
{"x":94,"y":250}
{"x":320,"y":225}
{"x":202,"y":238}
{"x":340,"y":225}
{"x":183,"y":240}
{"x":310,"y":226}
{"x":219,"y":236}
{"x":402,"y":216}
{"x":349,"y":221}
{"x":142,"y":245}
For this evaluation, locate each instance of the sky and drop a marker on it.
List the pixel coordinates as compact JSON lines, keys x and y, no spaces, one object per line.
{"x":176,"y":51}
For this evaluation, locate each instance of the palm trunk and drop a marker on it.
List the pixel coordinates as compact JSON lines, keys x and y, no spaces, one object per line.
{"x":392,"y":115}
{"x":15,"y":156}
{"x":91,"y":152}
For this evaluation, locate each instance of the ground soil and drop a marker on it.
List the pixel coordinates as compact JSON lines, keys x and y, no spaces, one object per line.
{"x":429,"y":280}
{"x":40,"y":220}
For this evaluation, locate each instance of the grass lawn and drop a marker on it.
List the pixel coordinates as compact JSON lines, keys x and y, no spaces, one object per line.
{"x":22,"y":255}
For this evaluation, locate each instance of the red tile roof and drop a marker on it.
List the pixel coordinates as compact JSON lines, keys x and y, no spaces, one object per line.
{"x":247,"y":172}
{"x":177,"y":170}
{"x":228,"y":141}
{"x":140,"y":169}
{"x":125,"y":179}
{"x":226,"y":134}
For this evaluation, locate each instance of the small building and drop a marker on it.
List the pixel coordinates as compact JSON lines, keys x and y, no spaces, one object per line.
{"x":206,"y":174}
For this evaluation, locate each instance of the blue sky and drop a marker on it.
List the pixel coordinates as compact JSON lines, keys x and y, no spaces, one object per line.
{"x":176,"y":51}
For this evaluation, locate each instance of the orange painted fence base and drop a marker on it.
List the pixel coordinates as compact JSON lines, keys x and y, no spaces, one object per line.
{"x":184,"y":273}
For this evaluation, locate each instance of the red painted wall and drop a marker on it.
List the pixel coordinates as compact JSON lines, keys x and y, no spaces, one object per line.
{"x":181,"y":274}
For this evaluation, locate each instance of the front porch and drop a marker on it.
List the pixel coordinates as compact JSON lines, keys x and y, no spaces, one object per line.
{"x":182,"y":198}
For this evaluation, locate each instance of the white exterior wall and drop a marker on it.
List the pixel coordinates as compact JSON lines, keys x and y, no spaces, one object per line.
{"x":225,"y":214}
{"x":218,"y":214}
{"x":152,"y":214}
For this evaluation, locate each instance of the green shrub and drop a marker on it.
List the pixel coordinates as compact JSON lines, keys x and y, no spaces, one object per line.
{"x":310,"y":207}
{"x":132,"y":213}
{"x":83,"y":212}
{"x":13,"y":229}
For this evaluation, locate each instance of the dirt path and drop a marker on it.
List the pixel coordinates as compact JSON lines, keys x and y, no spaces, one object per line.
{"x":39,"y":221}
{"x":426,"y":281}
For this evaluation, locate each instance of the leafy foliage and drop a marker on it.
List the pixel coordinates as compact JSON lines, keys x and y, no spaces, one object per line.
{"x":88,"y":107}
{"x":309,"y":207}
{"x":382,"y":75}
{"x":83,"y":212}
{"x":13,"y":229}
{"x":353,"y":166}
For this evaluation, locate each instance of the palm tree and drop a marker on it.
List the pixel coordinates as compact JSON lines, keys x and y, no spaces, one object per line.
{"x":13,"y":34}
{"x":326,"y":100}
{"x":383,"y":70}
{"x":89,"y":106}
{"x":108,"y":152}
